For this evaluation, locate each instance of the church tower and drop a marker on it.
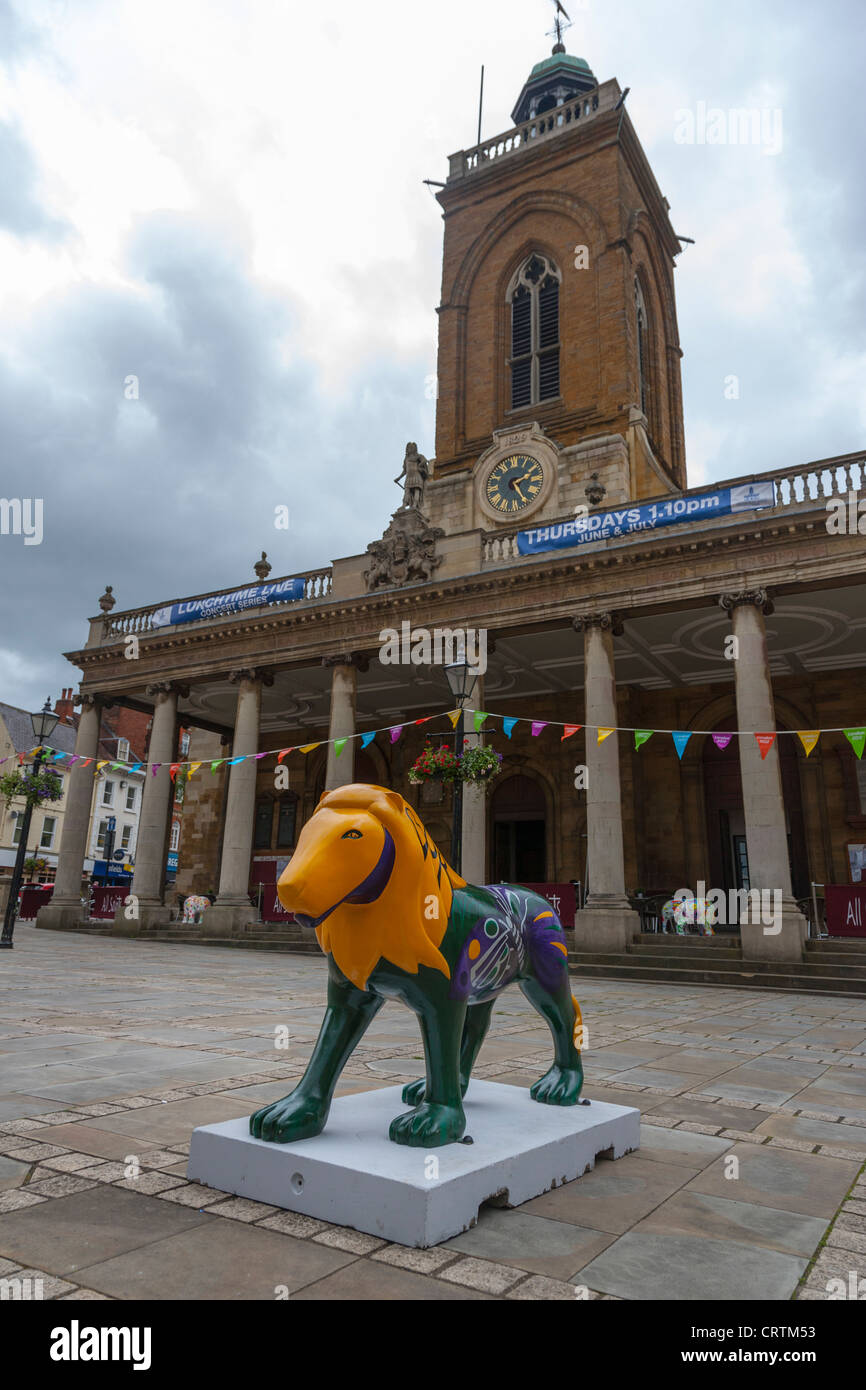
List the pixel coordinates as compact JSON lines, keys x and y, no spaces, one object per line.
{"x":559,"y":357}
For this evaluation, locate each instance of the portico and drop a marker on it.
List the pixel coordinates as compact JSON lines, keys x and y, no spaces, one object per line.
{"x":630,"y":636}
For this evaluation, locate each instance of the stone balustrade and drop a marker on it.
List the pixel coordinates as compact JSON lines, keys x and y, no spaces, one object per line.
{"x":550,"y":123}
{"x":317,"y":585}
{"x":812,"y":482}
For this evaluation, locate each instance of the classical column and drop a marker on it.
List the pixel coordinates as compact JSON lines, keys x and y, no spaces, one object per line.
{"x":148,"y":881}
{"x":344,"y":688}
{"x":782,"y":937}
{"x":608,"y":922}
{"x":474,"y":837}
{"x":232,"y":908}
{"x":65,"y":908}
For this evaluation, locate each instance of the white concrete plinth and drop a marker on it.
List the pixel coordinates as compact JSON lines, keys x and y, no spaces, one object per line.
{"x":353,"y":1175}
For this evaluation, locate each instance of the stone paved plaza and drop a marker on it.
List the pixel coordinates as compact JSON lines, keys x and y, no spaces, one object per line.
{"x":112,"y":1051}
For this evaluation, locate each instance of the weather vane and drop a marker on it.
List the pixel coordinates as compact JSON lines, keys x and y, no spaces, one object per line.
{"x":558,"y":26}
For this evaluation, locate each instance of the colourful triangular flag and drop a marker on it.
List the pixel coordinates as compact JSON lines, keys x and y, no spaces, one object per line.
{"x":218,"y":762}
{"x":173,"y":770}
{"x":425,"y":720}
{"x":680,"y":738}
{"x":339,"y":745}
{"x":602,"y":734}
{"x":154,"y":768}
{"x":396,"y":731}
{"x":136,"y":767}
{"x":283,"y":752}
{"x":642,"y":736}
{"x":857,"y":740}
{"x":808,"y":738}
{"x":232,"y":762}
{"x":478,"y":719}
{"x":101,"y":765}
{"x":193,"y":767}
{"x":508,"y":726}
{"x":86,"y":761}
{"x":722,"y":740}
{"x":537,"y":726}
{"x":55,"y":756}
{"x":308,"y":747}
{"x":765,"y":743}
{"x":367,"y":739}
{"x":454,"y":716}
{"x":570,"y":731}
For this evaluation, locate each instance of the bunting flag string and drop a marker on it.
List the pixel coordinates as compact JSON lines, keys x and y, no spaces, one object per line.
{"x":809,"y":739}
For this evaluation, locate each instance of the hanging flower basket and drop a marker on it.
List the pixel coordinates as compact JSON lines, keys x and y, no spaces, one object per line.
{"x":435,"y":765}
{"x":479,"y":765}
{"x":35,"y":787}
{"x":35,"y":866}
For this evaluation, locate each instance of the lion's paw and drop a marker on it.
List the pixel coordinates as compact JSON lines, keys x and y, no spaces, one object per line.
{"x":429,"y":1126}
{"x":413,"y":1092}
{"x":295,"y":1117}
{"x":559,"y":1086}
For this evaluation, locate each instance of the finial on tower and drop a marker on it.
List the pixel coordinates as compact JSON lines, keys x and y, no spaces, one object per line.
{"x":558,"y":26}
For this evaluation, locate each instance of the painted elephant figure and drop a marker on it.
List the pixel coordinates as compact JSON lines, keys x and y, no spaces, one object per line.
{"x":194,"y":907}
{"x":396,"y":922}
{"x":682,"y":915}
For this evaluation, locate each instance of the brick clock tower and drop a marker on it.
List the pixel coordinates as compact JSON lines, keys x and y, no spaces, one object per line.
{"x":559,"y":355}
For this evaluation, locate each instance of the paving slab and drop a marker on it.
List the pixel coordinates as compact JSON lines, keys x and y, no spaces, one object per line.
{"x":721,"y":1218}
{"x":223,"y":1260}
{"x":66,"y":1234}
{"x":614,"y":1195}
{"x":810,"y":1184}
{"x":649,"y":1265}
{"x":680,"y":1146}
{"x":533,"y":1243}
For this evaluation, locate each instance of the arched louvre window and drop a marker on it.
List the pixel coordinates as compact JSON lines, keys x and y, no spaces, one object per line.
{"x":643,"y":361}
{"x":534,"y":299}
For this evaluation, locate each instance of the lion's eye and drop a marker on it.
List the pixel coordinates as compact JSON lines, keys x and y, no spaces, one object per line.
{"x":351,"y":835}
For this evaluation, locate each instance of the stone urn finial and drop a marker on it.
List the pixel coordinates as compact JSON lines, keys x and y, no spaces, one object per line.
{"x":595,"y":490}
{"x":108,"y":600}
{"x":262,"y":568}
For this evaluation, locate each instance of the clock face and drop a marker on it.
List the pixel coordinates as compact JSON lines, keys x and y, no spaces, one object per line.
{"x":514,"y":483}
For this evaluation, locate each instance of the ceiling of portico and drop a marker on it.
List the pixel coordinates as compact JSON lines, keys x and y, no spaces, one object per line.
{"x":807,"y":634}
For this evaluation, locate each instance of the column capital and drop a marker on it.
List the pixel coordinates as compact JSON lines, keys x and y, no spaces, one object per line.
{"x":608,"y":622}
{"x":745,"y":598}
{"x":88,"y":701}
{"x":359,"y":660}
{"x":264,"y":674}
{"x":166,"y":688}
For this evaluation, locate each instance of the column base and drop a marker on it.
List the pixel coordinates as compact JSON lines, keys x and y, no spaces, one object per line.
{"x":605,"y":924}
{"x":783,"y":939}
{"x":227,"y":916}
{"x":61,"y":914}
{"x":150,"y":914}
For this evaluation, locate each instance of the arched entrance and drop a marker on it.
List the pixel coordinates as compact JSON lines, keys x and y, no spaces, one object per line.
{"x":726,"y":821}
{"x":518,"y":817}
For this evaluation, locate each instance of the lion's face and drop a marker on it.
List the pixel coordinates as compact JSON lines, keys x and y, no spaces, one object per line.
{"x":336,"y":852}
{"x":367,"y":878}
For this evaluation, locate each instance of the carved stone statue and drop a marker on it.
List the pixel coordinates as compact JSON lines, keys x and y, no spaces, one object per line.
{"x":406,"y":552}
{"x":416,"y":471}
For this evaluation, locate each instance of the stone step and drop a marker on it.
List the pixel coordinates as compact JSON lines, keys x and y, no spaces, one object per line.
{"x":846,"y":967}
{"x":685,"y":950}
{"x":837,"y":945}
{"x":732,"y":975}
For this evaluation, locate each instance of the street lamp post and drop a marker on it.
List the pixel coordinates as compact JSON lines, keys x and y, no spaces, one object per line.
{"x":43,"y":727}
{"x":462,"y":680}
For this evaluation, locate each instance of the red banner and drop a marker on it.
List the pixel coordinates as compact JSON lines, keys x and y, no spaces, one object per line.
{"x":846,"y":910}
{"x":272,"y":908}
{"x":104,"y":902}
{"x":32,"y":898}
{"x":561,"y":897}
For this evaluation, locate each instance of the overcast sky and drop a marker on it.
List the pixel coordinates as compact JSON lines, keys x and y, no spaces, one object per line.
{"x":223,"y":198}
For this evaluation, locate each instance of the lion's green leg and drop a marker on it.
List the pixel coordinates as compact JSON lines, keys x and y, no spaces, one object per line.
{"x":474,"y":1032}
{"x":438,"y":1118}
{"x":303,"y":1113}
{"x":563,"y":1083}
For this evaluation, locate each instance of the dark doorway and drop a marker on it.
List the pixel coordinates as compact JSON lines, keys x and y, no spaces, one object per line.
{"x":726,"y":822}
{"x":519,"y":837}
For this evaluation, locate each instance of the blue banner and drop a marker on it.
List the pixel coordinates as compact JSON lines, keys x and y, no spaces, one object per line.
{"x":627,"y":521}
{"x":219,"y":605}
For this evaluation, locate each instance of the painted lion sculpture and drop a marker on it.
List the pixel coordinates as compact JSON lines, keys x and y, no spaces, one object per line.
{"x":396,"y":922}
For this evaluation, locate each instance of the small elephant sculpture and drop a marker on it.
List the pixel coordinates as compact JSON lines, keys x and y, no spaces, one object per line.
{"x":194,"y":907}
{"x":396,"y":922}
{"x":682,"y":915}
